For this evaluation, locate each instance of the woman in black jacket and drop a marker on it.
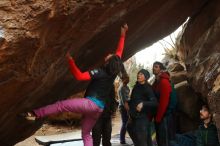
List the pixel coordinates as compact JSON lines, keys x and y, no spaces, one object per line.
{"x":142,"y":105}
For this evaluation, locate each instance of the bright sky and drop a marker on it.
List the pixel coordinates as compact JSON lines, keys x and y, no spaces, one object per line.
{"x":155,"y":52}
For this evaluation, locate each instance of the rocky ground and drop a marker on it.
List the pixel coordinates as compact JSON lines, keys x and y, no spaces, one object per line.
{"x":49,"y":129}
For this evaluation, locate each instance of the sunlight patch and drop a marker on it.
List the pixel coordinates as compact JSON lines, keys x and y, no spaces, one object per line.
{"x":1,"y":32}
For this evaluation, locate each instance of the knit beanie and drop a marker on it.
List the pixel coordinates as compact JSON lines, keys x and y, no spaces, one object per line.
{"x":145,"y":72}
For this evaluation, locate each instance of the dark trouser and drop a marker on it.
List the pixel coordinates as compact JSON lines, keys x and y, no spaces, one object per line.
{"x":187,"y":139}
{"x":165,"y":130}
{"x":102,"y":129}
{"x":124,"y":118}
{"x":140,"y":131}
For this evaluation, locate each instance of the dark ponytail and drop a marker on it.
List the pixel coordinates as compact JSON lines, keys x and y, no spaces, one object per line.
{"x":115,"y":67}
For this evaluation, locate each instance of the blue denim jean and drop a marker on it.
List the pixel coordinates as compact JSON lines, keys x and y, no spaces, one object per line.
{"x":124,"y":118}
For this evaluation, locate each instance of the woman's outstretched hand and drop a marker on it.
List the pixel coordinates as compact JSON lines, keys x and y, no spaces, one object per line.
{"x":68,"y":56}
{"x":124,"y":29}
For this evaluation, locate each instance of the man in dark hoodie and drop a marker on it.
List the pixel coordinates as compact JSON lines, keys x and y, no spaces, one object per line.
{"x":162,"y":89}
{"x":206,"y":135}
{"x":103,"y":128}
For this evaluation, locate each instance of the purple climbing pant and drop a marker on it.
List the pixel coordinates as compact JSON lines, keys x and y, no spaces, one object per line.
{"x":86,"y":107}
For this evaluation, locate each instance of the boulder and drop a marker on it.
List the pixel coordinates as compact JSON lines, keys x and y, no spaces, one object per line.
{"x":177,"y":77}
{"x":188,"y":107}
{"x":35,"y":36}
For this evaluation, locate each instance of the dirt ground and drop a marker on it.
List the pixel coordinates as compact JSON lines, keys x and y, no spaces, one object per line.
{"x":48,"y":129}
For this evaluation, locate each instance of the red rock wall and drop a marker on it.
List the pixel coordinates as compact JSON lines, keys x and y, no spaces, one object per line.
{"x":36,"y":35}
{"x":201,"y":53}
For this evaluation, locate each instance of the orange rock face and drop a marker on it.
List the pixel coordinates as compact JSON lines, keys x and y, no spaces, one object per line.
{"x":35,"y":36}
{"x":200,"y":52}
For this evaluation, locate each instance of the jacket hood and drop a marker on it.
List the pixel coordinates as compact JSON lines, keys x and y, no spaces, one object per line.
{"x":164,"y":75}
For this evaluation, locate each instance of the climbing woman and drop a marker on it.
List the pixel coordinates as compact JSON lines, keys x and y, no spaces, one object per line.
{"x":91,"y":107}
